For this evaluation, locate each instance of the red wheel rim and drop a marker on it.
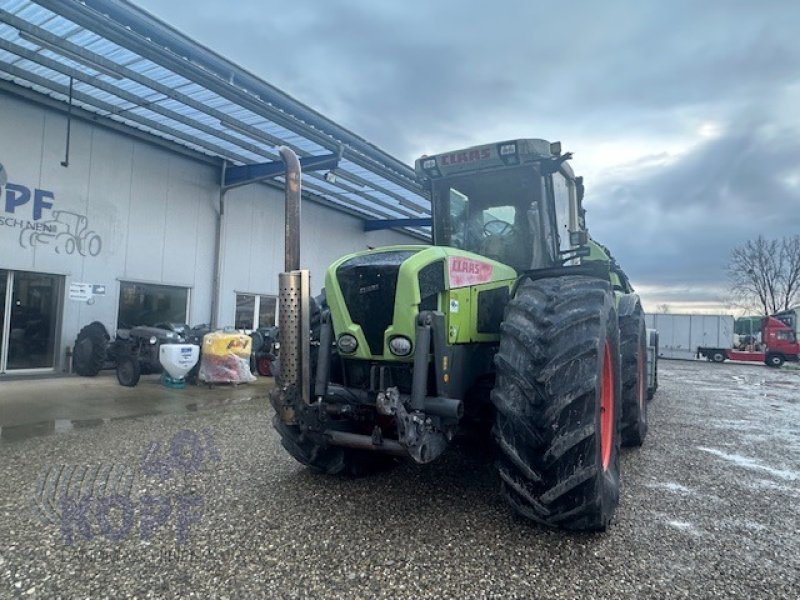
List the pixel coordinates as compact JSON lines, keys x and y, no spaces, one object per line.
{"x":607,"y":407}
{"x":642,"y":377}
{"x":264,"y":367}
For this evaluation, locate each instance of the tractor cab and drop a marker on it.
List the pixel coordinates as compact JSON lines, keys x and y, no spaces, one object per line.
{"x":517,"y":202}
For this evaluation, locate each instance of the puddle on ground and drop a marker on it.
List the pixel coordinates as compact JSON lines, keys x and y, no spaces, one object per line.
{"x":16,"y":433}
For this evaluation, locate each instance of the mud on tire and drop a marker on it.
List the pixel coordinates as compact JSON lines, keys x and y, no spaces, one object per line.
{"x":633,"y":352}
{"x":558,"y":403}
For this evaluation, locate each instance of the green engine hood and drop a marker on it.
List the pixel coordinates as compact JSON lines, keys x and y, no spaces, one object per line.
{"x":377,"y":294}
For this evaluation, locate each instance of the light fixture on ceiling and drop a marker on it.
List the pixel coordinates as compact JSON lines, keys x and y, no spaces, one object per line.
{"x":75,"y":56}
{"x":330,"y":176}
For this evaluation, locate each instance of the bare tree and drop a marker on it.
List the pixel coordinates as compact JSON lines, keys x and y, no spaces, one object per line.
{"x":764,"y":274}
{"x":663,"y":308}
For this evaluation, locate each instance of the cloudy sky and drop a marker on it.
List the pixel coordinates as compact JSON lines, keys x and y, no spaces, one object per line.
{"x":684,"y":116}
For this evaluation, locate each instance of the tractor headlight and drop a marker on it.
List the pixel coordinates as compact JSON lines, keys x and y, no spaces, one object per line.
{"x":400,"y":345}
{"x":347,"y":343}
{"x":153,"y":339}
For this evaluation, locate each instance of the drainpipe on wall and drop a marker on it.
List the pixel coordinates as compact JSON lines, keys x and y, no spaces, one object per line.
{"x":218,"y":250}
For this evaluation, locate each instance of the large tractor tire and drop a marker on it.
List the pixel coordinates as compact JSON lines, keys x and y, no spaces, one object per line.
{"x":558,"y":403}
{"x":89,"y":352}
{"x":332,"y":460}
{"x":651,"y":391}
{"x":633,"y":352}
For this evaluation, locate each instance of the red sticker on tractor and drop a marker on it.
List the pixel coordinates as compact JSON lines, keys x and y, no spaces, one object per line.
{"x":465,"y":271}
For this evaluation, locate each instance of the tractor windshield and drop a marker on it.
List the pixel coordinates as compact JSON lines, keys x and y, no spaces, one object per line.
{"x":487,"y":213}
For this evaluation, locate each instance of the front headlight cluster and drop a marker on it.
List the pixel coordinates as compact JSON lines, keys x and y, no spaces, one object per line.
{"x":347,"y":343}
{"x":400,"y":345}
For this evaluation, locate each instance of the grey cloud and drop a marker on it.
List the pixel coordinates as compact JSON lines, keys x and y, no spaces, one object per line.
{"x":415,"y":77}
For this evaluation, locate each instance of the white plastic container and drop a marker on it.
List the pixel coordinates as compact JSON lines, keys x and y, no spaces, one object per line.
{"x":178,"y":359}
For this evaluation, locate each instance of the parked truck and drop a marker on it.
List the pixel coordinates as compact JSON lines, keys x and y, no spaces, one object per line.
{"x":513,"y":321}
{"x":776,"y":344}
{"x":790,"y":317}
{"x":680,"y":335}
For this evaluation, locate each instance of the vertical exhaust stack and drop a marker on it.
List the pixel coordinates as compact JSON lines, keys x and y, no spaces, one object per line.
{"x":294,"y":380}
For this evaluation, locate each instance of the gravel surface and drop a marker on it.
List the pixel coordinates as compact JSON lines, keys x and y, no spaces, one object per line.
{"x":709,"y":508}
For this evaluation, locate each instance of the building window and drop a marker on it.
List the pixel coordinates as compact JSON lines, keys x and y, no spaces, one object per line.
{"x":254,"y":311}
{"x":148,"y":304}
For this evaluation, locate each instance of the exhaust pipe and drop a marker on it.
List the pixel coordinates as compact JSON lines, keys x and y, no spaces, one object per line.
{"x":292,"y":220}
{"x":294,"y":386}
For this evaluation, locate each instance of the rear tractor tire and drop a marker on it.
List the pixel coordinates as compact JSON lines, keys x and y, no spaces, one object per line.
{"x":633,"y":351}
{"x":651,"y":392}
{"x":89,"y":352}
{"x":558,"y":403}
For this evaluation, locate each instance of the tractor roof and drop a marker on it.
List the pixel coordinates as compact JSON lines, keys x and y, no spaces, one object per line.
{"x":508,"y":153}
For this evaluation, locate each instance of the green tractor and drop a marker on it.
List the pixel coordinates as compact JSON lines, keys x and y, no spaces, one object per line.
{"x":514,"y":320}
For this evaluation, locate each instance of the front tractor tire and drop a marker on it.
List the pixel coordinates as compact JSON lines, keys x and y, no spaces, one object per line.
{"x":633,"y":351}
{"x":308,"y":450}
{"x":558,"y":403}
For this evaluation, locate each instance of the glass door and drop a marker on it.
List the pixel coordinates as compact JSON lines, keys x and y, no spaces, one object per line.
{"x":32,"y":315}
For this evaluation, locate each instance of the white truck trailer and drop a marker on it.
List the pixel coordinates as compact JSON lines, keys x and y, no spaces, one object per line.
{"x":679,"y":335}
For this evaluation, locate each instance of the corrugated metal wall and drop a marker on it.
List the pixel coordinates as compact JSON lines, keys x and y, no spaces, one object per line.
{"x":155,"y":214}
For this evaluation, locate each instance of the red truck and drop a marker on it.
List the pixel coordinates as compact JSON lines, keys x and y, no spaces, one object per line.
{"x":778,"y":345}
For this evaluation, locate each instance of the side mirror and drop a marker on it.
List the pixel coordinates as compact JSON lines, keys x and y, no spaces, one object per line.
{"x":578,"y":238}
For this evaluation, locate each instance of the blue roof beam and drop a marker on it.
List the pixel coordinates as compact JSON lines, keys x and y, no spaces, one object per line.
{"x":378,"y":224}
{"x":244,"y":174}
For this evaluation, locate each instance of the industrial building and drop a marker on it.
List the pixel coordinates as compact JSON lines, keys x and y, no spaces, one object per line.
{"x":140,"y":182}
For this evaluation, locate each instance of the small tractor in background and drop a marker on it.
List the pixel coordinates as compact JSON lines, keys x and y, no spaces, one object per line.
{"x":133,"y":352}
{"x":513,"y":320}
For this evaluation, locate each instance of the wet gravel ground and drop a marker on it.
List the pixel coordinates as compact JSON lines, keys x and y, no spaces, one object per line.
{"x":709,"y":509}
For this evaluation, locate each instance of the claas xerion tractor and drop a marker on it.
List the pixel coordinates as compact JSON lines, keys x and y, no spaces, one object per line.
{"x":514,"y":319}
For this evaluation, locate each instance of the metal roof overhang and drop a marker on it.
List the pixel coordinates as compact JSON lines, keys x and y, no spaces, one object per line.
{"x":128,"y":67}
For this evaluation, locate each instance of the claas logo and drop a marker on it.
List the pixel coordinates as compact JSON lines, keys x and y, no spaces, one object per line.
{"x":465,"y":156}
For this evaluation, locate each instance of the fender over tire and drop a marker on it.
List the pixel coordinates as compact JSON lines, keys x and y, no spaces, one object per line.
{"x":558,"y":403}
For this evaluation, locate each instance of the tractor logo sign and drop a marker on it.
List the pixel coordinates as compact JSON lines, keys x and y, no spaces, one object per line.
{"x":30,"y":211}
{"x":466,"y":271}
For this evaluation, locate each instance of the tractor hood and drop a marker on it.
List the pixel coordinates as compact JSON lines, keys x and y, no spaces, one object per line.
{"x":377,"y":295}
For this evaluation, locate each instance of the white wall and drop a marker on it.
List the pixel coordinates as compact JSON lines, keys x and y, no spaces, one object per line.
{"x":253,"y":236}
{"x":155,"y":211}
